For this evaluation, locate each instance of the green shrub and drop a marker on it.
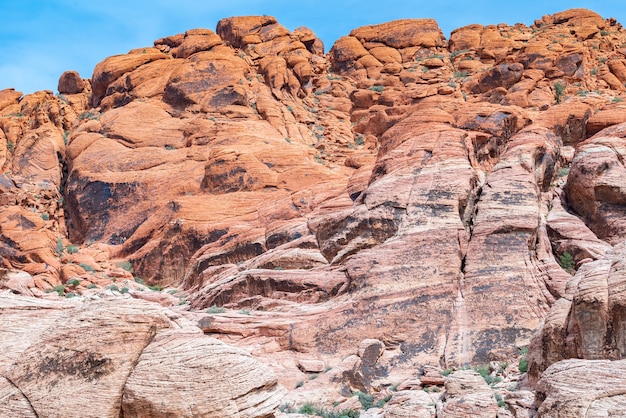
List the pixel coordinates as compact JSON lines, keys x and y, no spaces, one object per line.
{"x":86,"y":267}
{"x":60,"y":247}
{"x":60,"y":289}
{"x":113,"y":287}
{"x":88,"y":115}
{"x":381,"y":402}
{"x":523,"y":365}
{"x":91,"y":286}
{"x":559,"y":91}
{"x":73,"y":282}
{"x":45,"y":216}
{"x":310,"y":409}
{"x":566,"y":261}
{"x":377,"y":88}
{"x":124,"y":290}
{"x":307,"y":408}
{"x":483,"y":370}
{"x":70,"y":295}
{"x":366,"y":400}
{"x":215,"y":309}
{"x":71,"y":249}
{"x":459,"y":52}
{"x":500,"y":401}
{"x":125,"y":265}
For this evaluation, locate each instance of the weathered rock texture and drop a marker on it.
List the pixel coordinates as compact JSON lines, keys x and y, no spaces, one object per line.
{"x":421,"y":191}
{"x":582,"y":388}
{"x":589,"y":321}
{"x":119,"y":358}
{"x":467,"y":395}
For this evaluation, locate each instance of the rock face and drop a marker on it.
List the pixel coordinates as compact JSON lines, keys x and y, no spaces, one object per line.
{"x":595,"y":186}
{"x":432,"y":195}
{"x":124,"y":358}
{"x":577,"y":388}
{"x":588,"y":322}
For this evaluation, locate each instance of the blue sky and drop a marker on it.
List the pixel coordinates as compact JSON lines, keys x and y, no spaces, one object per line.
{"x":40,"y":39}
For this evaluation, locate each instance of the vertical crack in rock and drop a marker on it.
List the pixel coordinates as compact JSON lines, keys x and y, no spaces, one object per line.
{"x":153,"y":332}
{"x":32,"y":408}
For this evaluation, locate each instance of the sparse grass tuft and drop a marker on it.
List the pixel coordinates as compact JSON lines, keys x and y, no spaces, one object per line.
{"x":126,"y":265}
{"x":215,"y":309}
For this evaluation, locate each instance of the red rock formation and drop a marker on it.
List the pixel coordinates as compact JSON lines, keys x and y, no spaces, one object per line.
{"x":595,"y":186}
{"x":575,"y":388}
{"x":403,"y":188}
{"x":587,"y":323}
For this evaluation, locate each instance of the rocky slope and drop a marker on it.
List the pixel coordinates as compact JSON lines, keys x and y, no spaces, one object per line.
{"x":435,"y":195}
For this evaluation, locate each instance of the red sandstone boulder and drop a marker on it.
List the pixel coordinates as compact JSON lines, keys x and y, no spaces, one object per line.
{"x":9,"y":97}
{"x":112,"y":68}
{"x":70,"y":83}
{"x":196,"y":40}
{"x":402,"y":33}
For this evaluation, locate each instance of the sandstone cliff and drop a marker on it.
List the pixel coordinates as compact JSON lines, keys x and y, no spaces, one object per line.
{"x":434,"y":194}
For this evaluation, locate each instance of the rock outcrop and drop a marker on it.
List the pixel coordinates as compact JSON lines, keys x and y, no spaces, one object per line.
{"x":113,"y":358}
{"x":577,"y":388}
{"x":431,"y":196}
{"x":588,"y":322}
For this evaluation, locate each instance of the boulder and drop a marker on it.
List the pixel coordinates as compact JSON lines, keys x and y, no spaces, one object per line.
{"x":9,"y":97}
{"x":112,"y":68}
{"x":402,"y":33}
{"x":70,"y":82}
{"x":468,"y":395}
{"x":575,"y":388}
{"x":53,"y":361}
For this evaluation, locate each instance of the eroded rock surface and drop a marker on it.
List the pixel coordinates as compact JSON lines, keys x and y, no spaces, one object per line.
{"x":122,"y":358}
{"x":582,"y":388}
{"x":433,"y":195}
{"x":588,"y":322}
